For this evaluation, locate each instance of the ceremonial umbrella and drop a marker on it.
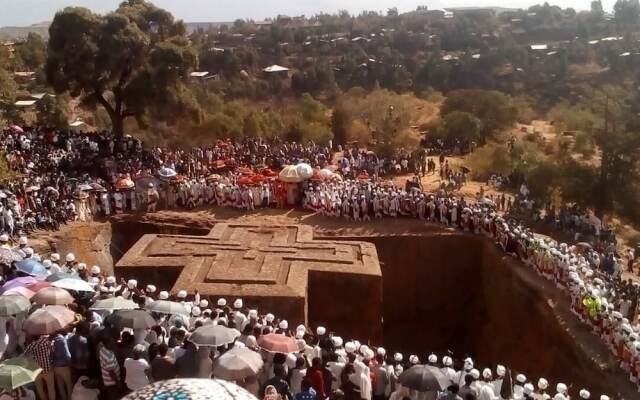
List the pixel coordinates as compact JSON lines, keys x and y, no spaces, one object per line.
{"x":13,"y":304}
{"x":143,"y":181}
{"x":31,"y":267}
{"x":166,"y":173}
{"x":245,"y":180}
{"x":214,"y":177}
{"x":424,"y":378}
{"x":115,"y":303}
{"x":244,"y":171}
{"x":124,"y":184}
{"x":48,"y":320}
{"x":304,"y":170}
{"x":18,"y":371}
{"x":317,"y":176}
{"x":237,"y":364}
{"x":326,"y":173}
{"x":51,"y":191}
{"x":191,"y":389}
{"x":51,"y":296}
{"x":20,"y":291}
{"x":277,"y":343}
{"x":61,"y":275}
{"x":214,"y":335}
{"x":73,"y":284}
{"x":16,"y":128}
{"x":19,"y":282}
{"x":85,"y":187}
{"x":97,"y":187}
{"x":133,"y":319}
{"x":7,"y":256}
{"x":80,"y":195}
{"x":167,"y":307}
{"x":268,"y":172}
{"x":290,"y":174}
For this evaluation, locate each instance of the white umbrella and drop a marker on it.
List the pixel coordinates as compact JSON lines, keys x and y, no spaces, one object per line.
{"x":304,"y":170}
{"x":73,"y":284}
{"x":290,"y":174}
{"x":193,"y":389}
{"x":326,"y":173}
{"x":237,"y":364}
{"x":167,"y":307}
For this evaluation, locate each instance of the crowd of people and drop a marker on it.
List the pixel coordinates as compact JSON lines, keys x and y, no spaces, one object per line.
{"x":61,"y":177}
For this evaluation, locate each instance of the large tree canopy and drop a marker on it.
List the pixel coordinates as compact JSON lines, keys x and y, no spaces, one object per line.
{"x":133,"y":62}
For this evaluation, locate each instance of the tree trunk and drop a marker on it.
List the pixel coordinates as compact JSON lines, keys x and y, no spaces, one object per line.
{"x":117,"y":124}
{"x":116,"y":117}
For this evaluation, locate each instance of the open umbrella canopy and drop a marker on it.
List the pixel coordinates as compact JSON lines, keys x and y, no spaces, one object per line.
{"x":191,"y":389}
{"x":7,"y":256}
{"x":167,"y":307}
{"x":304,"y":170}
{"x":124,"y":184}
{"x":23,"y":361}
{"x":20,"y":291}
{"x":16,"y":128}
{"x":31,"y":267}
{"x":115,"y":303}
{"x":167,"y":173}
{"x":290,"y":174}
{"x":37,"y":286}
{"x":13,"y":304}
{"x":85,"y":187}
{"x":97,"y":187}
{"x":237,"y":364}
{"x":73,"y":284}
{"x":133,"y":319}
{"x":51,"y":296}
{"x":213,"y":335}
{"x":277,"y":343}
{"x":61,"y":275}
{"x":48,"y":320}
{"x":19,"y":282}
{"x":424,"y":378}
{"x":143,"y":181}
{"x":15,"y":376}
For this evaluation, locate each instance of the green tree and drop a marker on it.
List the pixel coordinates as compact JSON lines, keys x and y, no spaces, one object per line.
{"x":33,"y":52}
{"x":461,"y":125}
{"x":8,"y":88}
{"x":50,"y":113}
{"x":339,"y":125}
{"x":627,"y":12}
{"x":131,"y":62}
{"x":493,"y":108}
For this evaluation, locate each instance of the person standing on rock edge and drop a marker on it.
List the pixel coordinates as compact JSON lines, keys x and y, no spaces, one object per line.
{"x":152,"y":198}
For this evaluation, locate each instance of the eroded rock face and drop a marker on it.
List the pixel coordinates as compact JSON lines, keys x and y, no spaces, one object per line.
{"x":452,"y":291}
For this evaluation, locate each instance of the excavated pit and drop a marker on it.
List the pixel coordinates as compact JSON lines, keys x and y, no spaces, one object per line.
{"x":450,"y":291}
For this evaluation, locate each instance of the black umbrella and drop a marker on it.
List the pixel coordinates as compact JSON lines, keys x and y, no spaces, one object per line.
{"x":424,"y":378}
{"x":134,"y":319}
